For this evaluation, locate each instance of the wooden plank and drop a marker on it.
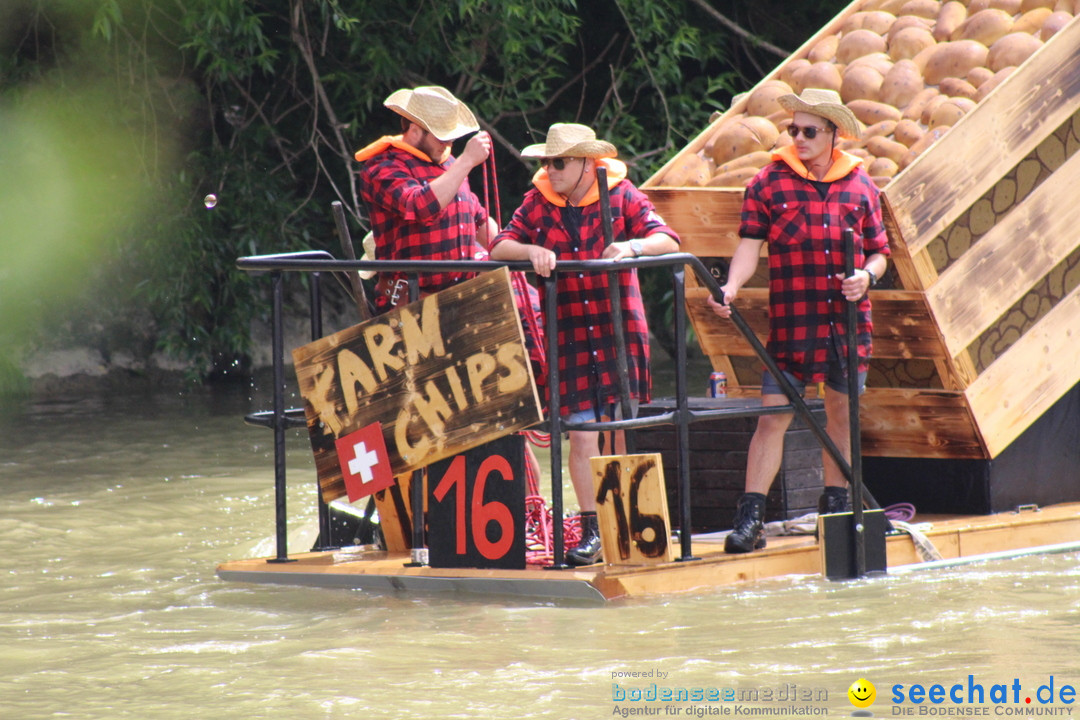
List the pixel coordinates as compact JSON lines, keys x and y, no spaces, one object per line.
{"x":441,"y":375}
{"x":1025,"y":245}
{"x":903,"y":326}
{"x":394,"y":505}
{"x":707,"y":219}
{"x":897,"y":422}
{"x":1006,"y":126}
{"x":792,"y":556}
{"x":902,"y":551}
{"x":918,"y":273}
{"x":720,"y":336}
{"x":953,"y":537}
{"x":1011,"y":537}
{"x":1029,"y":377}
{"x":958,"y":374}
{"x":911,"y":276}
{"x":631,"y":504}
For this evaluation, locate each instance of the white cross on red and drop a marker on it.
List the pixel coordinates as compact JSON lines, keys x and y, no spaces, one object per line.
{"x":363,"y":461}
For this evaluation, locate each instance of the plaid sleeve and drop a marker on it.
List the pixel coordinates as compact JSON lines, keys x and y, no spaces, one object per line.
{"x":640,"y":214}
{"x":755,"y":220}
{"x":520,"y":226}
{"x":480,"y":213}
{"x":398,"y":192}
{"x":875,"y":239}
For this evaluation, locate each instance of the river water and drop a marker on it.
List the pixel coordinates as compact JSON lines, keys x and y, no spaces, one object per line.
{"x":115,"y":512}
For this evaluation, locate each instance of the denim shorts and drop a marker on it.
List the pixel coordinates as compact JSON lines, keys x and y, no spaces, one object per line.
{"x":835,"y":380}
{"x":583,"y":416}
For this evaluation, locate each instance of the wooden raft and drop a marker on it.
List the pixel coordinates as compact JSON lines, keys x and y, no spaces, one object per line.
{"x":955,"y":538}
{"x":975,"y":323}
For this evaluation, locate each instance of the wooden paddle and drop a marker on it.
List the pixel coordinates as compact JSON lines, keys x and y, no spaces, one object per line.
{"x":358,"y":293}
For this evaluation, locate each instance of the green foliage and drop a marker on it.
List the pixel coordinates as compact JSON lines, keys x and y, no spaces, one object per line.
{"x":264,"y":102}
{"x":13,"y":384}
{"x":227,"y":39}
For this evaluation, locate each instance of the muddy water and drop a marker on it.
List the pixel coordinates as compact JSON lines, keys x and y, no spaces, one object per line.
{"x":114,"y":513}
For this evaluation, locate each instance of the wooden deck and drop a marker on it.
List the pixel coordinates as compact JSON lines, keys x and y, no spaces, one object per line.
{"x":956,"y":538}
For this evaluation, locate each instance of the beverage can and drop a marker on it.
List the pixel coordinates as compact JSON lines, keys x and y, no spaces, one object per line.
{"x":718,"y":384}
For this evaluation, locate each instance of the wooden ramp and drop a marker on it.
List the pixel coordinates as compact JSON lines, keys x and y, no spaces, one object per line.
{"x":974,"y":324}
{"x":956,"y":539}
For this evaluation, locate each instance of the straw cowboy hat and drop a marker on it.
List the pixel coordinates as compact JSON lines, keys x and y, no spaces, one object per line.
{"x":826,"y":104}
{"x":369,"y":254}
{"x":434,"y":109}
{"x":571,"y":140}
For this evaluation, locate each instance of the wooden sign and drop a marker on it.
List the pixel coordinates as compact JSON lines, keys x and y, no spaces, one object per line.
{"x":441,"y":375}
{"x":631,"y":505}
{"x":476,"y":507}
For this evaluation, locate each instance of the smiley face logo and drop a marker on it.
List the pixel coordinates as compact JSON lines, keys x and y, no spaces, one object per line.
{"x":862,"y":693}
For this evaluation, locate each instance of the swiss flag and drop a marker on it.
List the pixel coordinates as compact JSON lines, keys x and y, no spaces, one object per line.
{"x":365,"y":464}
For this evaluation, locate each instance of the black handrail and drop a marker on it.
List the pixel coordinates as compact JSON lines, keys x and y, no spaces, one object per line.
{"x":852,"y":316}
{"x":622,"y":372}
{"x":320,"y":261}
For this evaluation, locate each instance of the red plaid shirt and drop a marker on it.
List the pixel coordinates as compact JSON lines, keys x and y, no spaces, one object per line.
{"x":406,"y":219}
{"x":807,"y":311}
{"x":587,"y":369}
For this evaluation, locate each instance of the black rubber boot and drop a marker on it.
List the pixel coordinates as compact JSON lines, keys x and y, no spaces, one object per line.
{"x":588,"y":550}
{"x":833,"y":500}
{"x":748,"y":530}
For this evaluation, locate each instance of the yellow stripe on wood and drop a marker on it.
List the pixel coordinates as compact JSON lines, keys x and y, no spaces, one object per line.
{"x":1007,"y":125}
{"x":1008,"y":261}
{"x":1029,"y":377}
{"x":394,"y":505}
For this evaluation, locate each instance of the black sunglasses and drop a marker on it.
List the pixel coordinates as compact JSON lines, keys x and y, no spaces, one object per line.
{"x":809,"y":132}
{"x":557,"y":163}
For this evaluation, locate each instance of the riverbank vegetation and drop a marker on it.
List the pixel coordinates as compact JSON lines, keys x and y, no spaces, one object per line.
{"x":149,"y":143}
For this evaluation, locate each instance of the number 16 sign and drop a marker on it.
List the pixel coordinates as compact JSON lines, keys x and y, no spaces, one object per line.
{"x":631,"y":504}
{"x":476,"y":507}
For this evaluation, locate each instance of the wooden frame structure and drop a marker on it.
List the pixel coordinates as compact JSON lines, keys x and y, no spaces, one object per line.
{"x":975,"y":333}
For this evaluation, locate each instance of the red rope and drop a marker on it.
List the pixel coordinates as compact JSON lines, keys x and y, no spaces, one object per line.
{"x":539,"y":538}
{"x":495,"y":188}
{"x":487,"y":199}
{"x":539,"y":439}
{"x":531,"y":323}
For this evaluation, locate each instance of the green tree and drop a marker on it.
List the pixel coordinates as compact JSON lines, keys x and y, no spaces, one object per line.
{"x":262,"y":103}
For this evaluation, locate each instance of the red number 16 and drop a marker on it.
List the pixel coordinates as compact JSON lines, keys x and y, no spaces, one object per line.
{"x":481,"y":513}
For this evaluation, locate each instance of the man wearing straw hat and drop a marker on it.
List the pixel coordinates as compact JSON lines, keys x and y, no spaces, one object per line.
{"x":560,"y":219}
{"x":417,"y":193}
{"x":799,"y":204}
{"x":421,"y":207}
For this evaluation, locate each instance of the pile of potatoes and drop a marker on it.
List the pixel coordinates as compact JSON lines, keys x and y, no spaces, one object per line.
{"x":908,"y":69}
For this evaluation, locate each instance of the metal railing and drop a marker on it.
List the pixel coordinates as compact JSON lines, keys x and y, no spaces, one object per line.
{"x":318,"y":263}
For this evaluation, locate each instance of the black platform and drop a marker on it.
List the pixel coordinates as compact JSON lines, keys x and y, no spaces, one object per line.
{"x":1041,"y":467}
{"x":718,"y":449}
